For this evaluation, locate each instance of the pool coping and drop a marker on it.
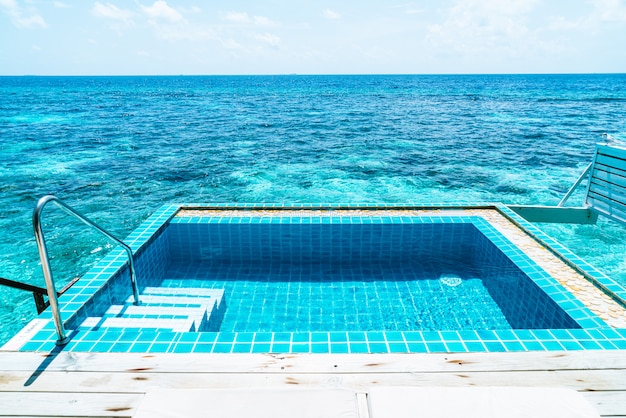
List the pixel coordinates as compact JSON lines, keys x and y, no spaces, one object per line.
{"x":596,"y":335}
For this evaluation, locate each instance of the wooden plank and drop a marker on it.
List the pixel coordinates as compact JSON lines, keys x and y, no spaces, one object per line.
{"x":139,"y":382}
{"x":607,"y":403}
{"x":69,"y":404}
{"x":305,"y":363}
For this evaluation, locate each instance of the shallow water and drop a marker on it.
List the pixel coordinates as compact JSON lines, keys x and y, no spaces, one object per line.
{"x":117,"y":148}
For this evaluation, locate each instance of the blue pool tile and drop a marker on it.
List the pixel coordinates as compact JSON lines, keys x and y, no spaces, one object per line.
{"x":358,"y":348}
{"x":283,"y":337}
{"x":450,"y":336}
{"x":394,"y":336}
{"x":183,"y":348}
{"x":607,"y":345}
{"x":207,"y":337}
{"x":338,"y":337}
{"x":261,"y":347}
{"x":397,"y":347}
{"x":226,"y":337}
{"x":376,"y":347}
{"x":354,"y":336}
{"x":242,"y":348}
{"x":339,"y":348}
{"x":317,"y":337}
{"x":431,"y":336}
{"x":222,"y":347}
{"x":245,"y":337}
{"x":280,"y":348}
{"x":263,"y":337}
{"x":320,"y":348}
{"x":455,"y":347}
{"x":552,"y":345}
{"x":571,"y":345}
{"x":121,"y":347}
{"x":436,"y":347}
{"x":513,"y":346}
{"x":140,"y":347}
{"x":203,"y":348}
{"x":84,"y":346}
{"x":413,"y":336}
{"x":417,"y":347}
{"x":375,"y":337}
{"x":189,"y":337}
{"x":32,"y":346}
{"x":301,"y":337}
{"x":104,"y":347}
{"x":620,"y":344}
{"x":475,"y":346}
{"x":495,"y":346}
{"x":300,"y":348}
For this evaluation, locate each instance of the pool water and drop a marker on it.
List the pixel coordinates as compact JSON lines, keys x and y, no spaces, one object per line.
{"x":296,"y":277}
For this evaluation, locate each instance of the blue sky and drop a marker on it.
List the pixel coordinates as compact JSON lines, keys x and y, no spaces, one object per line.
{"x":71,"y":37}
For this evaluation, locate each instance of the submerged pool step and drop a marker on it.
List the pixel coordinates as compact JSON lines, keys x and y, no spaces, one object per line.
{"x":176,"y":309}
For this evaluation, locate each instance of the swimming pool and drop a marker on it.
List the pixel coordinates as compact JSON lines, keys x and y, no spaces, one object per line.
{"x":357,"y":274}
{"x":325,"y":283}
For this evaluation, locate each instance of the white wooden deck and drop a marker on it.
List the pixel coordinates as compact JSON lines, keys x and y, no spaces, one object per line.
{"x":89,"y":384}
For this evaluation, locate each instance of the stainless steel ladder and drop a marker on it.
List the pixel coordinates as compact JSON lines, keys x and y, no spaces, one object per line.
{"x":45,"y":264}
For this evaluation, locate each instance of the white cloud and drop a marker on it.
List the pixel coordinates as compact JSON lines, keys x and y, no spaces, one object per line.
{"x":263,"y":21}
{"x":243,"y":18}
{"x":331,"y":14}
{"x":270,"y":39}
{"x":231,"y":44}
{"x":161,"y":10}
{"x":604,"y":12}
{"x":474,"y":26}
{"x":21,"y":19}
{"x":609,"y":10}
{"x":111,"y":11}
{"x":237,"y":17}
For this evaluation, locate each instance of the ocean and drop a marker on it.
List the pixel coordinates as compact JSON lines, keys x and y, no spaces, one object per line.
{"x":117,"y":148}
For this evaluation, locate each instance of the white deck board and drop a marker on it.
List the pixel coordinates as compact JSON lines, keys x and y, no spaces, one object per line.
{"x":600,"y":376}
{"x":69,"y":404}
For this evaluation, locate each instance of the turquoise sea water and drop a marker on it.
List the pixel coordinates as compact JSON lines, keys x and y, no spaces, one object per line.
{"x":117,"y":148}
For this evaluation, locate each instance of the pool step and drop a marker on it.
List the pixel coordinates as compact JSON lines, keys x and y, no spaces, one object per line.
{"x":176,"y":309}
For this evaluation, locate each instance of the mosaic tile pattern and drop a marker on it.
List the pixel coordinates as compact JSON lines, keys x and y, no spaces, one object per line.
{"x":374,"y":274}
{"x":594,"y":334}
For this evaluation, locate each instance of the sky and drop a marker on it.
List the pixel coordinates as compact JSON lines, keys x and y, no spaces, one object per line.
{"x":165,"y":37}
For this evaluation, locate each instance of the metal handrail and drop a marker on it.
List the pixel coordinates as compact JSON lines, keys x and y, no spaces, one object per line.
{"x":37,"y":291}
{"x":45,"y":263}
{"x":573,"y":188}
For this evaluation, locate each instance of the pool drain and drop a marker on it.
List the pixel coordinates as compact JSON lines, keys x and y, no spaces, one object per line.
{"x":451,"y":280}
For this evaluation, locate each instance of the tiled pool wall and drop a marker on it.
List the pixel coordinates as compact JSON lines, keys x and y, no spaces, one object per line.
{"x":594,"y":334}
{"x":328,"y":240}
{"x":524,"y":303}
